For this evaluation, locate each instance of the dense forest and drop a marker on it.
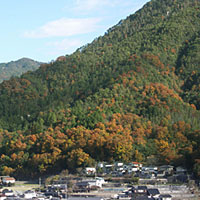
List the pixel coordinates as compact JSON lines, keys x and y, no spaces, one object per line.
{"x":17,"y":68}
{"x":130,"y":95}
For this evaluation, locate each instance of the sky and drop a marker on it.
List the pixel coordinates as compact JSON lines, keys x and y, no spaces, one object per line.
{"x":46,"y":29}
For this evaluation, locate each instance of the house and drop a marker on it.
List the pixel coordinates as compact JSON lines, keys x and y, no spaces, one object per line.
{"x":150,"y":169}
{"x":59,"y":183}
{"x":137,"y":164}
{"x":119,"y":164}
{"x":87,"y":185}
{"x":99,"y":181}
{"x":161,"y":174}
{"x":161,"y":180}
{"x":90,"y":170}
{"x":2,"y":197}
{"x":100,"y":165}
{"x":130,"y":168}
{"x":8,"y":192}
{"x":140,"y":190}
{"x":168,"y":169}
{"x":148,"y":172}
{"x":108,"y":168}
{"x":8,"y":180}
{"x":29,"y":194}
{"x":165,"y":197}
{"x":51,"y":193}
{"x":120,"y":169}
{"x":133,"y":169}
{"x":82,"y":186}
{"x":153,"y":193}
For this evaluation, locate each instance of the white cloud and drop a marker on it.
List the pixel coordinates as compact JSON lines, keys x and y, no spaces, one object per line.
{"x":62,"y":47}
{"x":65,"y":45}
{"x":90,"y":4}
{"x":64,"y":27}
{"x":106,"y":6}
{"x":87,"y":5}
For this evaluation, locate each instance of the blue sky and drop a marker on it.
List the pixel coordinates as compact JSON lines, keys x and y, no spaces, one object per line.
{"x":45,"y":29}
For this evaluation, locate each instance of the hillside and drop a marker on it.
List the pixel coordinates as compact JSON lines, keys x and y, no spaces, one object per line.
{"x":17,"y":68}
{"x":132,"y":94}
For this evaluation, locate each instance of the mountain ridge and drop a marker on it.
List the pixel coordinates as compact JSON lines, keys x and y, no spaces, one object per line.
{"x":17,"y":68}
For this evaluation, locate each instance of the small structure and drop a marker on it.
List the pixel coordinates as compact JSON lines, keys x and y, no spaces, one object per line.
{"x":90,"y":170}
{"x":119,"y":164}
{"x":120,"y":167}
{"x":7,"y":193}
{"x":137,"y":164}
{"x":140,"y":190}
{"x":99,"y":181}
{"x":2,"y":197}
{"x":108,"y":168}
{"x":82,"y":186}
{"x":8,"y":180}
{"x":29,"y":194}
{"x":161,"y":174}
{"x":87,"y":185}
{"x":130,"y":168}
{"x":100,"y":165}
{"x":168,"y":169}
{"x":150,"y":169}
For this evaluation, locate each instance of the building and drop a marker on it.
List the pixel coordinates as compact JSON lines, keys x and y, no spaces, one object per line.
{"x":82,"y":186}
{"x":8,"y":180}
{"x":87,"y":185}
{"x":29,"y":194}
{"x":167,"y":169}
{"x":139,"y":190}
{"x":8,"y":193}
{"x":90,"y":170}
{"x":2,"y":197}
{"x":153,"y":192}
{"x":137,"y":164}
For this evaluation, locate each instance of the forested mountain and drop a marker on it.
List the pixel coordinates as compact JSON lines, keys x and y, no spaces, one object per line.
{"x":16,"y":68}
{"x":130,"y":95}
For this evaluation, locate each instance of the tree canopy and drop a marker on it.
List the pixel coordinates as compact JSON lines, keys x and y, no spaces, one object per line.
{"x":128,"y":95}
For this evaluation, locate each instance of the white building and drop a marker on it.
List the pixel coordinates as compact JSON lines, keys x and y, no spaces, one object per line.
{"x":29,"y":194}
{"x":8,"y":193}
{"x":8,"y":180}
{"x":2,"y":197}
{"x":98,"y":181}
{"x":90,"y":170}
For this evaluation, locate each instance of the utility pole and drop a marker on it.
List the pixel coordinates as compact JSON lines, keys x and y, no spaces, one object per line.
{"x":40,"y":182}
